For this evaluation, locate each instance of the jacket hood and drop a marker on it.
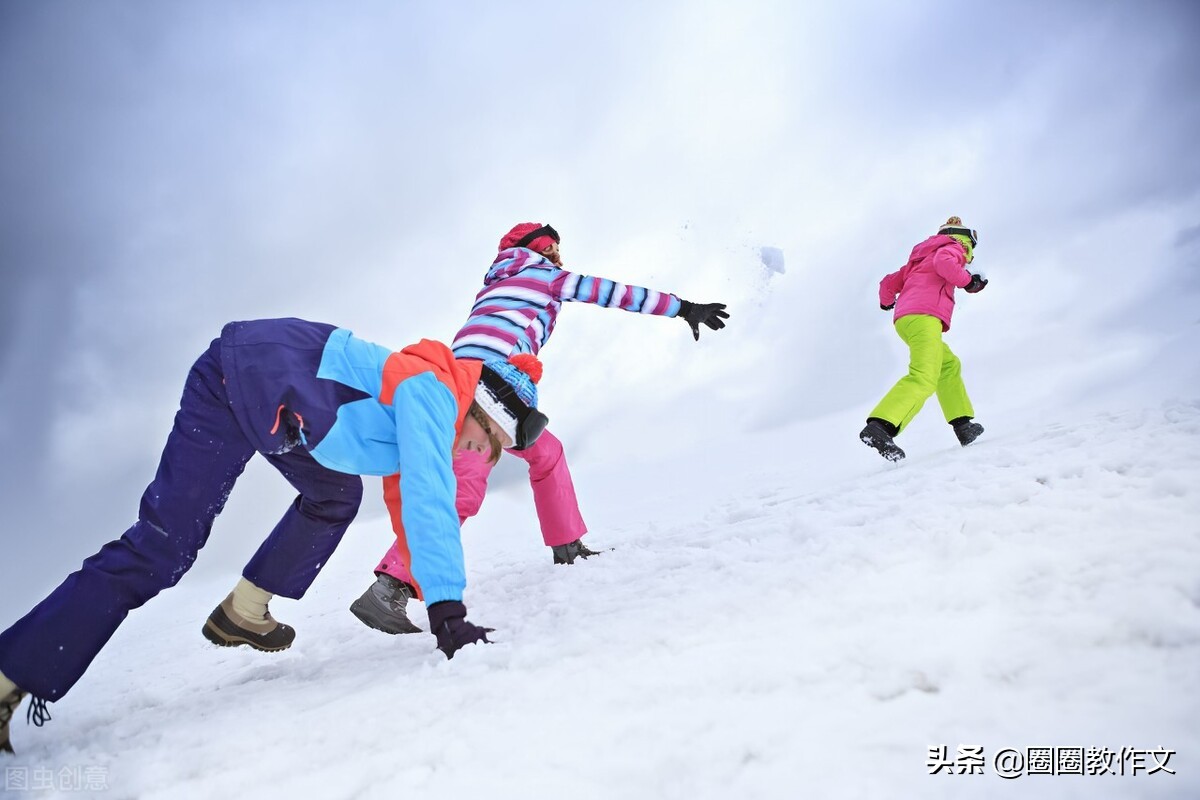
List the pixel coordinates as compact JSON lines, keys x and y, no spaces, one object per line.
{"x":931,"y":246}
{"x":511,"y":261}
{"x":459,"y":375}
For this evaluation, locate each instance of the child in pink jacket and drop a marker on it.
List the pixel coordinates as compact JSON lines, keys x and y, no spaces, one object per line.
{"x":922,"y":293}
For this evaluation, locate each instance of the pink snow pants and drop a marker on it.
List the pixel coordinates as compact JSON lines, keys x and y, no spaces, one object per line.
{"x":553,"y":497}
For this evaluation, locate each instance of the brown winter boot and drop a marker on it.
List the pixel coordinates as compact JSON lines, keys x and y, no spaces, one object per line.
{"x":8,"y":705}
{"x":227,"y":628}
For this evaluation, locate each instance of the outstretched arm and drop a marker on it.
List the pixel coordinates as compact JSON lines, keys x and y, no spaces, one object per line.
{"x":573,"y":287}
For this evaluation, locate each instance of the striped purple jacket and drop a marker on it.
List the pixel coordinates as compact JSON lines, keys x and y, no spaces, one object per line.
{"x":517,"y":307}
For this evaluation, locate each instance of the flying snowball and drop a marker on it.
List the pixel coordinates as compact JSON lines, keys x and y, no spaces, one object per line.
{"x":772,"y":259}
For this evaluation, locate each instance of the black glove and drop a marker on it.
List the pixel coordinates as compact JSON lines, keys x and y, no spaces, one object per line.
{"x":888,"y":308}
{"x":976,"y":285}
{"x":448,"y":622}
{"x":711,"y":314}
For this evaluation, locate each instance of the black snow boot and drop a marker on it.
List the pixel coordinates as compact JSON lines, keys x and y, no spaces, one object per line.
{"x":567,"y":553}
{"x":383,"y":606}
{"x":878,"y":434}
{"x":966,"y":430}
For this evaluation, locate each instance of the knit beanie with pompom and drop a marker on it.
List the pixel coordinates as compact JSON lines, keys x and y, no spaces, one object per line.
{"x":507,"y":390}
{"x":965,"y":236}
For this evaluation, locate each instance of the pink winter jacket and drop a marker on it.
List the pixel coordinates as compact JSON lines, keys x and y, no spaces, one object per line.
{"x":925,"y":284}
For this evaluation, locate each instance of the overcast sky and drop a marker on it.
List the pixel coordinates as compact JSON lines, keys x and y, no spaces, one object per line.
{"x":169,"y":166}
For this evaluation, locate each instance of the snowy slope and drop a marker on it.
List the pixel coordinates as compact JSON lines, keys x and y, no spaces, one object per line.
{"x":768,"y":633}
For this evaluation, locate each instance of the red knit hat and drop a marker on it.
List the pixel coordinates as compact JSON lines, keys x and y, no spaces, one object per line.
{"x":534,"y":235}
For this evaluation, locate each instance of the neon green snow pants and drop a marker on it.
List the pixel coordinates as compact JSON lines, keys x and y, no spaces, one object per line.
{"x":931,"y":368}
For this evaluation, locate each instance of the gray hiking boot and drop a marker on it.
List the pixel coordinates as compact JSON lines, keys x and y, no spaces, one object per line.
{"x":567,"y":553}
{"x":8,"y":705}
{"x":227,"y":628}
{"x":382,"y":606}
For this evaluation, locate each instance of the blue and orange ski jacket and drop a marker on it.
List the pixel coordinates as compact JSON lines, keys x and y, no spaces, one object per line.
{"x":361,"y":409}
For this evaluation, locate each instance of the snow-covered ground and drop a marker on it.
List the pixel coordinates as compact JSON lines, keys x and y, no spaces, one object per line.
{"x":768,"y":631}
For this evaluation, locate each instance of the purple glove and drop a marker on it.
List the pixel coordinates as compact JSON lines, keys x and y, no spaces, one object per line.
{"x":448,"y":622}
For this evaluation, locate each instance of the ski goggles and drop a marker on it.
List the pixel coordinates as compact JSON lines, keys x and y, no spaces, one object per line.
{"x":533,"y":235}
{"x":970,"y":233}
{"x":529,"y":422}
{"x":530,"y":428}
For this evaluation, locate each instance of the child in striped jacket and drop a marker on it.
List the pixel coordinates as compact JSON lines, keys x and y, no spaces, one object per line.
{"x":515,"y":312}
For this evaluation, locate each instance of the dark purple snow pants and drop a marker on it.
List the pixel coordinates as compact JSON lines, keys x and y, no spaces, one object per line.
{"x":48,"y":650}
